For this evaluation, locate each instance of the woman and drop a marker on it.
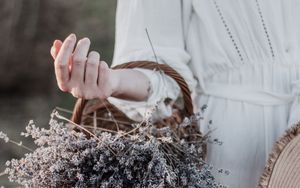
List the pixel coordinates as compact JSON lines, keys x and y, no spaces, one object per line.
{"x":241,"y":58}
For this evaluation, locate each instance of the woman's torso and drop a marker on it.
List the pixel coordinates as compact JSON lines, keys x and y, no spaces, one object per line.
{"x":245,"y":55}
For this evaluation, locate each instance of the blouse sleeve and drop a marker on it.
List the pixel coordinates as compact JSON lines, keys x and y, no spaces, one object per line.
{"x":163,"y":21}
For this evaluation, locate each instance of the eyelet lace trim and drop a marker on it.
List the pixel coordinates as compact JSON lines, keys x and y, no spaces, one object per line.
{"x":265,"y":28}
{"x":228,"y":30}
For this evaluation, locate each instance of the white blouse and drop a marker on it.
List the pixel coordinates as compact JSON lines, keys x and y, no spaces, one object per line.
{"x":240,"y":57}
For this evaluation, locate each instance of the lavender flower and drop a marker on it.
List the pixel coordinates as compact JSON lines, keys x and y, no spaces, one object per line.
{"x":65,"y":158}
{"x":4,"y":137}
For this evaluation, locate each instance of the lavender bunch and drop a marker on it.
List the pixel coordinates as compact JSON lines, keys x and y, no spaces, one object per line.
{"x":66,"y":158}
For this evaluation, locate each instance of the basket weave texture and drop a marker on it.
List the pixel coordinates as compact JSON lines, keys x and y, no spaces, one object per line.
{"x":106,"y":116}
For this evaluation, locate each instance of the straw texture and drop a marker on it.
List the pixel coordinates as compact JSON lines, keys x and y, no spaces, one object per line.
{"x":104,"y":115}
{"x":283,"y":167}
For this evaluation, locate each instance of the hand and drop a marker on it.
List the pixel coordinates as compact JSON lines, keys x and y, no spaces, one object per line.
{"x":81,"y":72}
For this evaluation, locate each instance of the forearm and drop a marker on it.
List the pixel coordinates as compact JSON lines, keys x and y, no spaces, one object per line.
{"x":131,"y":85}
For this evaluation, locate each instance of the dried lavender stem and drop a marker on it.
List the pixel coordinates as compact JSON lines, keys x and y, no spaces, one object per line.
{"x":79,"y":126}
{"x":110,"y":120}
{"x":3,"y":173}
{"x":114,"y":120}
{"x":149,"y":39}
{"x":95,"y":121}
{"x":100,"y":128}
{"x":131,"y":130}
{"x":20,"y":145}
{"x":6,"y":139}
{"x":98,"y":118}
{"x":63,"y":110}
{"x":65,"y":158}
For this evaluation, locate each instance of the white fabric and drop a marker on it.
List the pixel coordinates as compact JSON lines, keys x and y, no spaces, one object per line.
{"x":245,"y":56}
{"x":154,"y":106}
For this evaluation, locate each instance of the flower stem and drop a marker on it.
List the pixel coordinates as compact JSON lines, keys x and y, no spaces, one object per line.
{"x":20,"y":145}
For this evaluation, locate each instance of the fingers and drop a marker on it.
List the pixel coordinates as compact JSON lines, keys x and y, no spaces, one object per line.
{"x":79,"y":60}
{"x":53,"y":52}
{"x":55,"y":48}
{"x":62,"y":61}
{"x":79,"y":72}
{"x":103,"y":79}
{"x":91,"y":72}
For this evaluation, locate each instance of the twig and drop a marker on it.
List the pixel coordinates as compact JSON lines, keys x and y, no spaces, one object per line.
{"x":112,"y":116}
{"x":139,"y":125}
{"x":98,"y":118}
{"x":4,"y":137}
{"x":95,"y":121}
{"x":80,"y":127}
{"x":20,"y":144}
{"x":167,"y":155}
{"x":63,"y":110}
{"x":3,"y":173}
{"x":151,"y":44}
{"x":100,"y":128}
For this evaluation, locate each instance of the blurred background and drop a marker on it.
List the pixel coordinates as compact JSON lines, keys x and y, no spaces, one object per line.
{"x":28,"y":87}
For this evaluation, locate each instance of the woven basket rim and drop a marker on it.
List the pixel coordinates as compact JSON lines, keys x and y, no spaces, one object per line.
{"x":168,"y":70}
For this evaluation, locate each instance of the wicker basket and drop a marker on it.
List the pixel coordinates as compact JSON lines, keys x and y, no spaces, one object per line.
{"x":283,"y":167}
{"x":103,"y":115}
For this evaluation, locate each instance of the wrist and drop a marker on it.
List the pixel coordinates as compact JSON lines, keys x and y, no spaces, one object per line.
{"x":129,"y":84}
{"x":116,"y":84}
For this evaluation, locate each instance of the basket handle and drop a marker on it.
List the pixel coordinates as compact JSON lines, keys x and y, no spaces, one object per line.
{"x":188,"y":105}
